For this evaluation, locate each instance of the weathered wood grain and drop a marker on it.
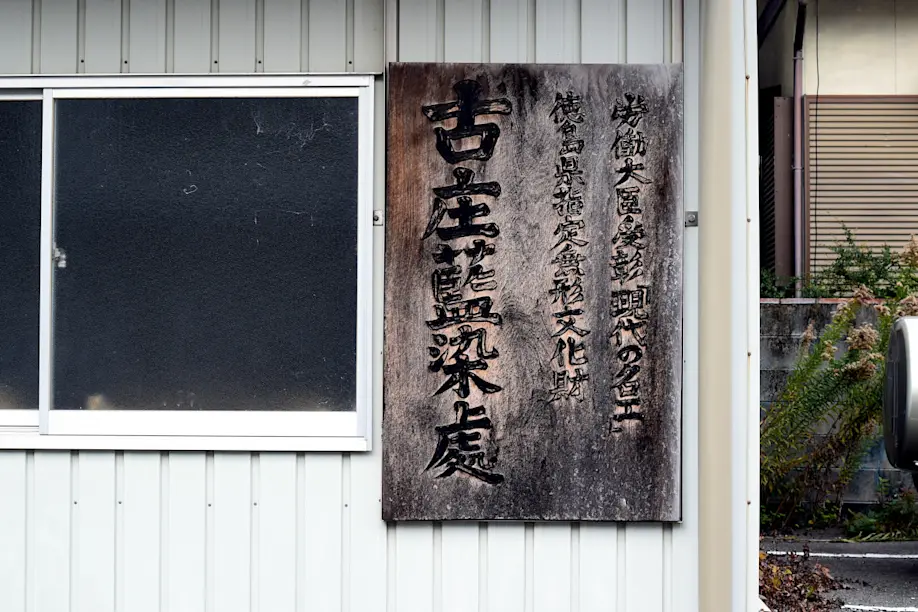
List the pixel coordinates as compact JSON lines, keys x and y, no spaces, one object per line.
{"x":573,"y":458}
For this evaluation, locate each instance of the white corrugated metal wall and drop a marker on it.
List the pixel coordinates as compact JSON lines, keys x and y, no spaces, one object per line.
{"x":227,"y":532}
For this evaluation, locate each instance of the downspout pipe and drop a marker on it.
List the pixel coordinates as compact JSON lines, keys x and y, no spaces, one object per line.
{"x":798,"y":145}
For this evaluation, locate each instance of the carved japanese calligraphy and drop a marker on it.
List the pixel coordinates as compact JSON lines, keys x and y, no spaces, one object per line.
{"x":464,"y":372}
{"x":464,"y":110}
{"x":533,"y":293}
{"x":568,"y":116}
{"x":628,"y":334}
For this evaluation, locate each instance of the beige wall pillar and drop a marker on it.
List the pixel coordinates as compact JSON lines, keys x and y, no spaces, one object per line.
{"x":727,"y":233}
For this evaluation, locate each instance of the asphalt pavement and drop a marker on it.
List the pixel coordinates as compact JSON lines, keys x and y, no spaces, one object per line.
{"x":879,"y":577}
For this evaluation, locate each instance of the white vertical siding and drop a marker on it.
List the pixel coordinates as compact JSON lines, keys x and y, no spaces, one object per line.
{"x":328,"y":35}
{"x":286,"y":532}
{"x":192,"y":46}
{"x":186,"y":528}
{"x":283,"y":26}
{"x":58,"y":31}
{"x":102,"y":21}
{"x":235,"y":33}
{"x":14,"y":510}
{"x":52,"y":545}
{"x":17,"y":47}
{"x":682,"y":564}
{"x":146,"y":35}
{"x":92,"y":549}
{"x":557,"y":31}
{"x":139,"y":536}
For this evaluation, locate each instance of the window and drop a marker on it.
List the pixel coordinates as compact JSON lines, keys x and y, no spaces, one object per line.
{"x":187,"y":262}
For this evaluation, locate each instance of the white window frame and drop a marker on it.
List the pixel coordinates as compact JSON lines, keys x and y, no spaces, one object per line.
{"x":197,"y":430}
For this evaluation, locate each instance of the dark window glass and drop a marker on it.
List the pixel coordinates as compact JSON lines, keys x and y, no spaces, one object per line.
{"x":20,"y":235}
{"x":211,"y":254}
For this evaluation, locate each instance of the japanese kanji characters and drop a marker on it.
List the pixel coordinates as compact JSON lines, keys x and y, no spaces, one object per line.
{"x":569,"y":359}
{"x":630,"y":302}
{"x":464,"y":311}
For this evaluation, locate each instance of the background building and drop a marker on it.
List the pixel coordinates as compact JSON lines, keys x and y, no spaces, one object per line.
{"x":858,"y":130}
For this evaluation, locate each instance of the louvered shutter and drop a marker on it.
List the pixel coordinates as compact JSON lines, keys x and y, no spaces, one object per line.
{"x":861,"y":171}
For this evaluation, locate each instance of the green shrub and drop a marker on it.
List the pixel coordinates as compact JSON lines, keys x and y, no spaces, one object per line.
{"x":885,"y":274}
{"x":803,"y":474}
{"x":894,"y":518}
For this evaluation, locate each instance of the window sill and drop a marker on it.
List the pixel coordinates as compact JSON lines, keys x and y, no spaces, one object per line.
{"x":30,"y":439}
{"x":20,"y":431}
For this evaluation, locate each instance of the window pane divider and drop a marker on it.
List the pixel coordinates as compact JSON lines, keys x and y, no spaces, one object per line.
{"x":45,"y":335}
{"x":365,"y":287}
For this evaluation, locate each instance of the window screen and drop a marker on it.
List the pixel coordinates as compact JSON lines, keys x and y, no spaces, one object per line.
{"x":211,"y":254}
{"x":20,"y":232}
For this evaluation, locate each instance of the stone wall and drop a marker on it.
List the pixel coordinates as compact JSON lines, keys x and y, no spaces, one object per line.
{"x":782,"y":324}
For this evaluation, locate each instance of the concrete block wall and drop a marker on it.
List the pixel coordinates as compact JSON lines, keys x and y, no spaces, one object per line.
{"x":782,"y":325}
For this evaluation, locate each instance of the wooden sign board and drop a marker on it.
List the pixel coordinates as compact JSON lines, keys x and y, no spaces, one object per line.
{"x":533,"y":295}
